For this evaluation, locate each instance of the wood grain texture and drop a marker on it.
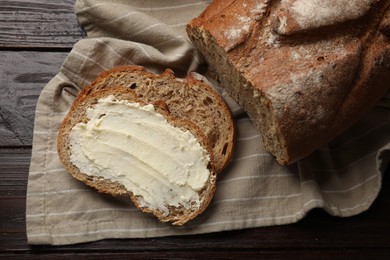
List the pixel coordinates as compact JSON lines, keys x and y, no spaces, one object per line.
{"x":224,"y":255}
{"x":22,"y":77}
{"x":38,"y":23}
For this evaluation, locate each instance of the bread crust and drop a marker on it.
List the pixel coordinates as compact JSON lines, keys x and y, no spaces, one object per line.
{"x":303,"y":84}
{"x":99,"y":88}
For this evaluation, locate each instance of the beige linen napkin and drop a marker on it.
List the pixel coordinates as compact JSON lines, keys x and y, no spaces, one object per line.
{"x":343,"y":177}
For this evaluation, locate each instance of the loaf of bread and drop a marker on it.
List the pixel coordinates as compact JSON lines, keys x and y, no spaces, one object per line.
{"x":157,"y":138}
{"x":303,"y":70}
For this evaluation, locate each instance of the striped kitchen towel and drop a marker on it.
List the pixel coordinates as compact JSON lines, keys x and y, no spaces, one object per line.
{"x":343,"y":177}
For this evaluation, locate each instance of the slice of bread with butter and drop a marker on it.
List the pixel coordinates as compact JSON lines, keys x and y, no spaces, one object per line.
{"x":157,"y":138}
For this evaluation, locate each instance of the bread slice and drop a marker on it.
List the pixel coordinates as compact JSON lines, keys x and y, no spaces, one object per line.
{"x":303,"y":71}
{"x":128,"y":77}
{"x":189,"y":98}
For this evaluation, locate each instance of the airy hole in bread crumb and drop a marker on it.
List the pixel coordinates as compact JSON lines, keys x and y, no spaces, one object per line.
{"x":207,"y":101}
{"x":133,"y":86}
{"x":224,"y":149}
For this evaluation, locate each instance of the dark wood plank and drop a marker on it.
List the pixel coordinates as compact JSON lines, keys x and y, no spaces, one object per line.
{"x":226,"y":254}
{"x":14,"y":166}
{"x":22,"y":77}
{"x":38,"y":23}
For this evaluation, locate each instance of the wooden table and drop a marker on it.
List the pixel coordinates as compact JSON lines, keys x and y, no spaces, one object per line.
{"x":35,"y":38}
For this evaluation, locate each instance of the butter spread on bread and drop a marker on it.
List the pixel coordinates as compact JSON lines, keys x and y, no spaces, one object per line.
{"x":187,"y":98}
{"x":137,"y":147}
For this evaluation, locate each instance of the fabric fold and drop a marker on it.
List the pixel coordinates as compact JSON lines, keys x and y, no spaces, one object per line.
{"x":154,"y":44}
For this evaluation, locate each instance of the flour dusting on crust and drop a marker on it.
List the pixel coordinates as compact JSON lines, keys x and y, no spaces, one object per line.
{"x":297,"y":15}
